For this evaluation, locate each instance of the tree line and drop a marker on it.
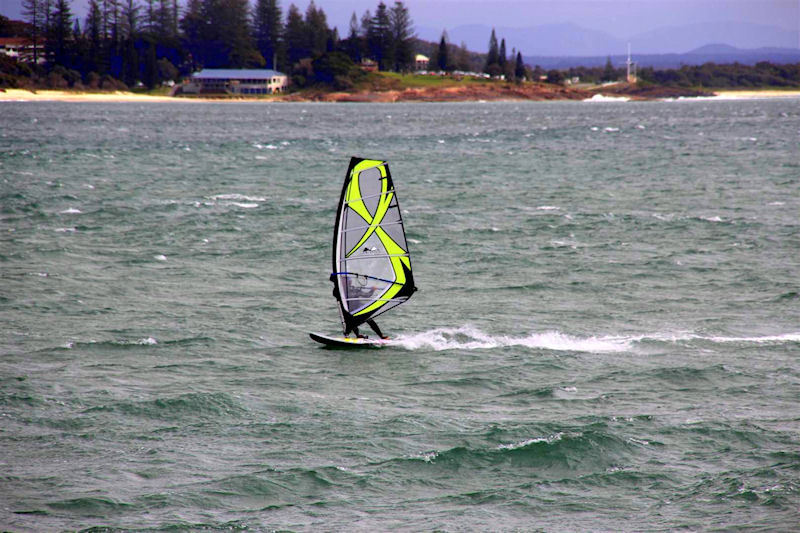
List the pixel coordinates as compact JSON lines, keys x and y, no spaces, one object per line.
{"x":447,"y":57}
{"x":155,"y":40}
{"x":125,"y":42}
{"x":707,"y":75}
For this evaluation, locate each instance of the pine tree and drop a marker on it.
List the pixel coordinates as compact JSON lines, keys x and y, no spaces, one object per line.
{"x":192,"y":28}
{"x":268,"y":30}
{"x":379,"y":37}
{"x":130,"y":18}
{"x":218,"y":34}
{"x":442,"y":59}
{"x":501,"y":58}
{"x":402,"y":32}
{"x":317,"y":31}
{"x":33,"y":12}
{"x":609,"y":74}
{"x":151,"y":17}
{"x":164,"y":28}
{"x":296,"y":46}
{"x":493,"y":55}
{"x":59,"y":38}
{"x":354,"y":43}
{"x":130,"y":58}
{"x":519,"y":69}
{"x":93,"y":29}
{"x":150,"y":67}
{"x":366,"y":23}
{"x":233,"y":19}
{"x":462,"y":57}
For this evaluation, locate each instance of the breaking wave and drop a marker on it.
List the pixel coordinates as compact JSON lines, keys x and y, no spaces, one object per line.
{"x":471,"y":338}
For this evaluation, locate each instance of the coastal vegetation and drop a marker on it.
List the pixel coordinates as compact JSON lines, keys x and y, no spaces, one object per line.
{"x":142,"y":44}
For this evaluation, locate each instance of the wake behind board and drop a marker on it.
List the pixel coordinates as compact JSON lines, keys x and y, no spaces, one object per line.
{"x":348,"y":342}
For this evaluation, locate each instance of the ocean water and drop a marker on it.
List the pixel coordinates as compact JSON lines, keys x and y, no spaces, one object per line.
{"x":606,"y":335}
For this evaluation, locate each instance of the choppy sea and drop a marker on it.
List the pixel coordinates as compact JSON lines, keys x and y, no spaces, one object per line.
{"x":606,"y":335}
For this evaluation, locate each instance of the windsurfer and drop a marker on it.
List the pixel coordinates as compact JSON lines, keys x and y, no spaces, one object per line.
{"x":359,"y":289}
{"x":374,"y":327}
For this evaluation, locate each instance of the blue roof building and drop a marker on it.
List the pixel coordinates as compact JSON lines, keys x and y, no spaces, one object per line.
{"x":237,"y":81}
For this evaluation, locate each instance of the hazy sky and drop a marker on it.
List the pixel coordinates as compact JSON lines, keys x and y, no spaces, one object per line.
{"x":620,"y":18}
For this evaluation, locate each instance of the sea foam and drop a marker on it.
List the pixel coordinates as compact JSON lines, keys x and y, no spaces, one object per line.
{"x":470,"y":338}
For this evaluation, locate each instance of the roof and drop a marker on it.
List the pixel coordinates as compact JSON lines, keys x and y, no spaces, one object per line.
{"x":420,"y":57}
{"x":236,"y":74}
{"x":22,"y":41}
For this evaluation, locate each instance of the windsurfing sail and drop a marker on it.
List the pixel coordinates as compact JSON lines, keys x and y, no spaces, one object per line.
{"x":371,"y":264}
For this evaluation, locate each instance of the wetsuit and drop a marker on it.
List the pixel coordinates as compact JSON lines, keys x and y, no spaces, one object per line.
{"x":374,"y":327}
{"x":354,"y":329}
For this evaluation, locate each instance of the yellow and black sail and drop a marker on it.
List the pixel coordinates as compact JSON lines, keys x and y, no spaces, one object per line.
{"x":371,"y":264}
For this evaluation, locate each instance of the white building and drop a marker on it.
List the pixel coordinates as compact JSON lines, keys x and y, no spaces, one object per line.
{"x":237,"y":81}
{"x":21,"y":49}
{"x":421,"y":62}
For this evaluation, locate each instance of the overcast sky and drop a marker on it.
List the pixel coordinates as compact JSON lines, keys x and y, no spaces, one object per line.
{"x":620,"y":18}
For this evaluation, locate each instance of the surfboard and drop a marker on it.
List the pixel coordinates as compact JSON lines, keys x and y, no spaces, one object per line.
{"x":348,"y":342}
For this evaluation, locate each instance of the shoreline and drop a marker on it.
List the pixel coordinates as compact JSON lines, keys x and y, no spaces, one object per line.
{"x":500,"y":93}
{"x":747,"y":94}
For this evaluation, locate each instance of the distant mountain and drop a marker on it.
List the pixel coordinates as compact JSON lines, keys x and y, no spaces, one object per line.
{"x":570,"y":40}
{"x":711,"y":53}
{"x":744,"y":35}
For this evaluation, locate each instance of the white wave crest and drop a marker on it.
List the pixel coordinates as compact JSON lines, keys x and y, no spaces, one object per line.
{"x":238,"y":197}
{"x":522,"y":444}
{"x":469,"y":338}
{"x":767,"y":339}
{"x":604,"y":98}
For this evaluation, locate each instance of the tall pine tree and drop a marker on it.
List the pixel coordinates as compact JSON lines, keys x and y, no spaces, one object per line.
{"x":93,"y":28}
{"x":402,"y":32}
{"x":317,"y":32}
{"x":130,"y":58}
{"x":297,"y":46}
{"x":354,"y":44}
{"x":268,"y":30}
{"x":33,"y":12}
{"x":493,"y":56}
{"x":379,"y":38}
{"x":519,"y":68}
{"x":59,"y":37}
{"x":442,"y":59}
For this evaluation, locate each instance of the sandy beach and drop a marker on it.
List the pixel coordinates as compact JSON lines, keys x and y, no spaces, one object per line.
{"x":748,"y":95}
{"x":23,"y":95}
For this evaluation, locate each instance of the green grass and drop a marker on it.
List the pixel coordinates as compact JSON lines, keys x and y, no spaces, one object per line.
{"x":398,"y":81}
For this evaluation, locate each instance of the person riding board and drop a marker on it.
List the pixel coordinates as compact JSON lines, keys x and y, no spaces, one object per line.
{"x":354,"y":329}
{"x":374,"y":327}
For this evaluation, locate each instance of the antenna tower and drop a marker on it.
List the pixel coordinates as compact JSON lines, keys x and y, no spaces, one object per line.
{"x":631,"y":67}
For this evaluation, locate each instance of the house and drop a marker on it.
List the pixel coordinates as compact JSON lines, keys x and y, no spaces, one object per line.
{"x":368,"y":65}
{"x":21,"y":49}
{"x":421,"y":62}
{"x":237,"y":81}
